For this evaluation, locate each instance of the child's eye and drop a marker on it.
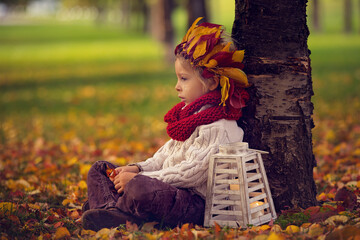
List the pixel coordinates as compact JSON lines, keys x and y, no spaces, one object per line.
{"x":183,"y":78}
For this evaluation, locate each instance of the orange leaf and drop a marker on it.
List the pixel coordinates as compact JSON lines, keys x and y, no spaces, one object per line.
{"x":62,"y":233}
{"x":217,"y":229}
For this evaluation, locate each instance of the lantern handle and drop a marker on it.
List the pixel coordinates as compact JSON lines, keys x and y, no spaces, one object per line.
{"x":259,"y":151}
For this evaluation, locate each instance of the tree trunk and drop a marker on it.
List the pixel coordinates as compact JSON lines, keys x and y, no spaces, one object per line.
{"x":347,"y":16}
{"x":161,"y":25}
{"x":195,"y":9}
{"x":315,"y":15}
{"x":278,"y":118}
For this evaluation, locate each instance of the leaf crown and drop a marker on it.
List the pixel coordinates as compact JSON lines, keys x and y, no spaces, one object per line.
{"x":204,"y":46}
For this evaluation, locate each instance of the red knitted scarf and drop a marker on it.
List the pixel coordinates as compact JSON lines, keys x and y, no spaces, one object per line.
{"x":182,"y":121}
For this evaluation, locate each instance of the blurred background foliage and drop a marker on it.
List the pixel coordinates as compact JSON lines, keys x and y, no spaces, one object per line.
{"x":99,"y":69}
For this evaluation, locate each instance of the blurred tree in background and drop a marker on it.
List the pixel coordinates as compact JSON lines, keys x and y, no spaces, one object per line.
{"x":156,"y":17}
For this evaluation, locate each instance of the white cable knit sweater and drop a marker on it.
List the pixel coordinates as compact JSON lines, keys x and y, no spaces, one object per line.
{"x":185,"y":164}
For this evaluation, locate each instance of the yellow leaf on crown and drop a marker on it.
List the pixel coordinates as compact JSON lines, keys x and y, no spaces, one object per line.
{"x":236,"y":74}
{"x":238,"y":56}
{"x":199,"y":32}
{"x":227,"y":47}
{"x":212,"y":64}
{"x":192,"y":44}
{"x":215,"y":50}
{"x":200,"y":50}
{"x":186,"y":37}
{"x":225,"y":87}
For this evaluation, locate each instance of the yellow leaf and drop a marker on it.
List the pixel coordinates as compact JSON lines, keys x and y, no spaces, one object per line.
{"x":211,"y":64}
{"x":357,"y":152}
{"x":67,"y":201}
{"x":264,"y":227}
{"x":322,"y":196}
{"x":225,"y":87}
{"x":150,"y":236}
{"x":20,"y":184}
{"x":238,"y":56}
{"x":82,"y":184}
{"x":276,"y":228}
{"x":38,"y":160}
{"x":261,"y":237}
{"x":84,"y":169}
{"x":64,"y":148}
{"x":72,"y":161}
{"x":87,"y":232}
{"x":215,"y":50}
{"x":61,"y":233}
{"x":7,"y":208}
{"x":292,"y":229}
{"x":190,"y":29}
{"x":103,"y":234}
{"x":236,"y":74}
{"x":200,"y":50}
{"x":120,"y":161}
{"x":34,"y":206}
{"x":275,"y":236}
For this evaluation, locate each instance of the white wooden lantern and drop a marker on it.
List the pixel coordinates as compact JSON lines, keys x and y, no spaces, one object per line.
{"x":238,"y":192}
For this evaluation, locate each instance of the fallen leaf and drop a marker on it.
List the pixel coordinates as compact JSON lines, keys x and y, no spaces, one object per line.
{"x":275,"y":236}
{"x":7,"y":208}
{"x":347,"y":198}
{"x":292,"y":229}
{"x":148,"y":226}
{"x":62,"y":233}
{"x":315,"y":230}
{"x":347,"y":232}
{"x":337,"y":219}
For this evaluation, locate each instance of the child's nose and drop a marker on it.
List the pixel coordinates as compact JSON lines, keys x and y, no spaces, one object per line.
{"x":177,"y":87}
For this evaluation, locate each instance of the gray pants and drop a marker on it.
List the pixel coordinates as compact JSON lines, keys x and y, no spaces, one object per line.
{"x":145,"y":198}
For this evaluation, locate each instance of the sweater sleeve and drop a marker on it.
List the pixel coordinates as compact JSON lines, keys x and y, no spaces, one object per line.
{"x":192,"y":171}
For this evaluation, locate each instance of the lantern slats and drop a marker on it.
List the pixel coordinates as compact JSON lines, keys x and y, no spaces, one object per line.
{"x":257,"y":198}
{"x":252,"y":177}
{"x":226,"y":212}
{"x":229,"y":202}
{"x":256,"y":209}
{"x":257,"y":187}
{"x":238,"y":193}
{"x":228,"y":171}
{"x":228,"y":192}
{"x":250,"y":167}
{"x":228,"y":181}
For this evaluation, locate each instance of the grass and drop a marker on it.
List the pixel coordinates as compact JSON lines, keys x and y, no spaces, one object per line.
{"x":335,"y":64}
{"x":50,"y":71}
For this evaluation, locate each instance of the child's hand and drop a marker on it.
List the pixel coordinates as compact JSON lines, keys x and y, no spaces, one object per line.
{"x":133,"y":169}
{"x":122,"y":179}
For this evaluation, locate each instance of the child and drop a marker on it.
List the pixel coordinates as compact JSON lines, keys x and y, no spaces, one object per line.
{"x":170,"y":187}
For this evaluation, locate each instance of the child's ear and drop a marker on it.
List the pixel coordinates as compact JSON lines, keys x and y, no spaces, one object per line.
{"x":214,"y":84}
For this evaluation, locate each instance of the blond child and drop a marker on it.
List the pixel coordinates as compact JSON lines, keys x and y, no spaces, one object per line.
{"x":170,"y":187}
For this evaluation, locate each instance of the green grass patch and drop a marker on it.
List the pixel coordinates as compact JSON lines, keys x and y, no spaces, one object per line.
{"x":55,"y":70}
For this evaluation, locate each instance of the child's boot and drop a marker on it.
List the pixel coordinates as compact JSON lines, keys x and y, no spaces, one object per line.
{"x":96,"y":219}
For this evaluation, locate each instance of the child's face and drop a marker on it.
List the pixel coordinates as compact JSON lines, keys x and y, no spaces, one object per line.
{"x":189,"y":85}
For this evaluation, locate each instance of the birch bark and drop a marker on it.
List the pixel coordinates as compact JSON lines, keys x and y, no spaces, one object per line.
{"x":278,"y":118}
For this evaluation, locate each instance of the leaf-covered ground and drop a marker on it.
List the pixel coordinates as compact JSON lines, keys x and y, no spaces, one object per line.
{"x":44,"y":185}
{"x":65,"y":104}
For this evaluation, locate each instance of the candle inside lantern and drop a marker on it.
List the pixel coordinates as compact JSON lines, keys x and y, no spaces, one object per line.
{"x":259,"y":213}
